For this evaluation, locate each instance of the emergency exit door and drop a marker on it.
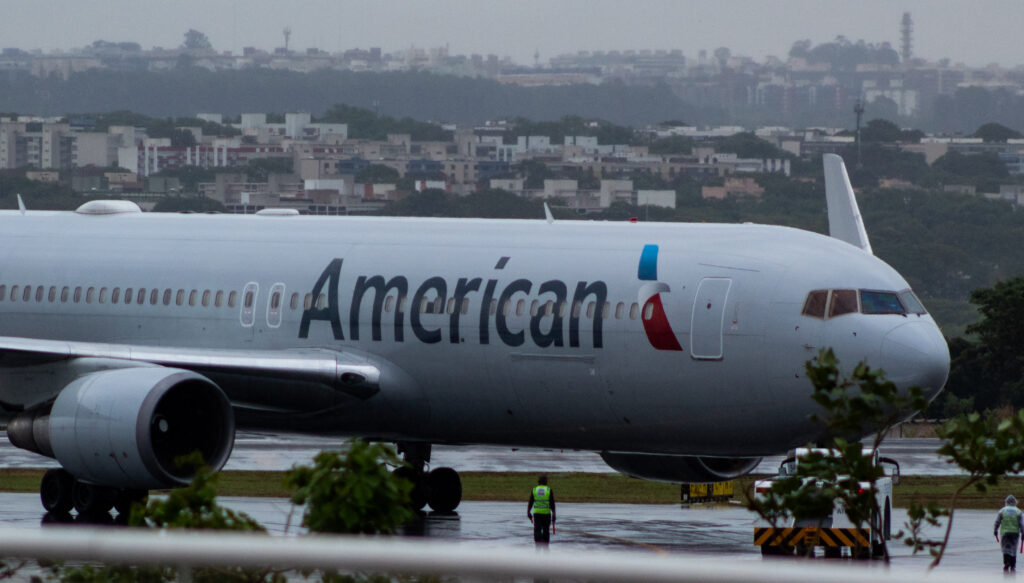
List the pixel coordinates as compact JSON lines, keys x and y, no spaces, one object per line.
{"x":708,"y":318}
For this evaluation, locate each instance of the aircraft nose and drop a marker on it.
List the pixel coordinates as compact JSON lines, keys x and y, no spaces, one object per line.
{"x":916,"y":354}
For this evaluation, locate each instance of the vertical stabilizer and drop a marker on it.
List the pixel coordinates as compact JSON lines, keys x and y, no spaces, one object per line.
{"x":844,"y":220}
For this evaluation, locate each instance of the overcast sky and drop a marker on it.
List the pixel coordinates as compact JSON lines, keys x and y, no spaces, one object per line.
{"x":976,"y":32}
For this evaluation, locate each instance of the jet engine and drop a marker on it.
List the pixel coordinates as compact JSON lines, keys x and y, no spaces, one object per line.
{"x":128,"y":427}
{"x":679,"y":469}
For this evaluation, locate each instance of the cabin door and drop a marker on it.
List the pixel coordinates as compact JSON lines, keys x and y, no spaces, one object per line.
{"x":708,"y":316}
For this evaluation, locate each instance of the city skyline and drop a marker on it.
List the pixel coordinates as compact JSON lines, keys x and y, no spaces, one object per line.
{"x":976,"y":34}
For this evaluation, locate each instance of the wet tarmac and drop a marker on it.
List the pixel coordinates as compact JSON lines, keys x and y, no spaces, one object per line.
{"x":724,"y":532}
{"x":280,"y":451}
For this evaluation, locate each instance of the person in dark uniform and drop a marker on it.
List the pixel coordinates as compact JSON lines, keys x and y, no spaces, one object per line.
{"x":1007,"y":530}
{"x":542,"y":503}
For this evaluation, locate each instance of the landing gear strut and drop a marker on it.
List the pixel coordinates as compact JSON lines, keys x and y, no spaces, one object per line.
{"x":60,"y":492}
{"x":441,"y":488}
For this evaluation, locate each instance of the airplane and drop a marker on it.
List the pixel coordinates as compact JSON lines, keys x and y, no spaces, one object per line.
{"x":677,"y":351}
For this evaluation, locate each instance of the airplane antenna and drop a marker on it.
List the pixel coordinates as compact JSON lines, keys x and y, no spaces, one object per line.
{"x":547,"y":214}
{"x":21,"y":205}
{"x":844,"y":219}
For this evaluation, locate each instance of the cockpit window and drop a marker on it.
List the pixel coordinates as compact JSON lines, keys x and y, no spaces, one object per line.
{"x":913,"y":305}
{"x":815,"y":303}
{"x":844,"y":301}
{"x":877,"y":302}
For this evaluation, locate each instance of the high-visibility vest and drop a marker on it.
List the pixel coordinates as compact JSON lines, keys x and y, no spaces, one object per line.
{"x":1009,"y":523}
{"x":542,"y":500}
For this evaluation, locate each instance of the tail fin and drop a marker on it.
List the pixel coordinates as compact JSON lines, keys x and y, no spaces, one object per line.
{"x":844,"y":220}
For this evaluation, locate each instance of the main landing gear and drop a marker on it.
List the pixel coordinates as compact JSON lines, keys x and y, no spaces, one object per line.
{"x":60,"y":492}
{"x":441,"y":488}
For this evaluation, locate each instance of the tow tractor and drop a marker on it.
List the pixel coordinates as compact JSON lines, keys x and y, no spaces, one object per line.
{"x":833,"y":532}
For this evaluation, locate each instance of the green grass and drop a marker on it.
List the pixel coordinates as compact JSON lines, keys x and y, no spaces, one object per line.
{"x":579,"y":487}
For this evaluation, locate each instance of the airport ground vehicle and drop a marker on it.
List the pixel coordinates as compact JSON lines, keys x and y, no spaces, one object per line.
{"x":834,"y":531}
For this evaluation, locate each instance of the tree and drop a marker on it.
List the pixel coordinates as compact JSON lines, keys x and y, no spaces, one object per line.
{"x":193,"y":204}
{"x":377,"y":174}
{"x":671,"y":145}
{"x":1000,"y":346}
{"x":880,"y":130}
{"x":748,"y":145}
{"x":354,"y":493}
{"x":983,"y":165}
{"x":195,"y":40}
{"x":995,"y":132}
{"x":863,"y":403}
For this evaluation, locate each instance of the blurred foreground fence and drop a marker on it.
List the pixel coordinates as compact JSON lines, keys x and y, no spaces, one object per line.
{"x":186,"y":550}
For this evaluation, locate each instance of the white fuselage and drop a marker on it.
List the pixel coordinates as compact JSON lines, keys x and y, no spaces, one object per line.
{"x":506,"y":355}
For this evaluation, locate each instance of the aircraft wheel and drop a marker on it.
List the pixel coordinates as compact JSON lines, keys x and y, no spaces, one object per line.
{"x":418,"y":495}
{"x":445,"y":489}
{"x":125,"y":499}
{"x":55,"y":491}
{"x":91,"y":499}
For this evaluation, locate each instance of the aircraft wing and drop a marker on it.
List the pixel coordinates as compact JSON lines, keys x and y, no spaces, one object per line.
{"x":342,"y":371}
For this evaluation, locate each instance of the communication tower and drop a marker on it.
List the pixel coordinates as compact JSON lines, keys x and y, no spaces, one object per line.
{"x":287,"y":36}
{"x":906,"y":38}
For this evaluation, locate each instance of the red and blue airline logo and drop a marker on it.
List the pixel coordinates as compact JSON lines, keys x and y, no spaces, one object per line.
{"x":659,"y":331}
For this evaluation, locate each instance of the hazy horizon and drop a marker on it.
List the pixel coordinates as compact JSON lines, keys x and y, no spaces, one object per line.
{"x":976,"y":33}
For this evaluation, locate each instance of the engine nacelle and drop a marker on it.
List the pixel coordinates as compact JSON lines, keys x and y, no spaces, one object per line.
{"x":127,"y":427}
{"x":679,"y":469}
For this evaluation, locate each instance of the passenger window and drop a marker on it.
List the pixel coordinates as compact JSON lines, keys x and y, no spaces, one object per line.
{"x":249,"y":298}
{"x":425,"y":306}
{"x":634,"y":310}
{"x":90,"y":295}
{"x":648,"y":311}
{"x":78,"y":294}
{"x":438,"y":305}
{"x":401,"y":304}
{"x":451,"y":306}
{"x":232,"y":299}
{"x":192,"y":297}
{"x":218,"y":299}
{"x":814,"y":305}
{"x":389,"y":303}
{"x":115,"y":295}
{"x":533,"y":307}
{"x":179,"y":298}
{"x":52,"y":296}
{"x":506,"y":308}
{"x":27,"y":294}
{"x":274,"y":306}
{"x":874,"y":302}
{"x":247,"y":315}
{"x":321,"y":301}
{"x":103,"y":295}
{"x":154,"y":296}
{"x":590,"y":309}
{"x":520,"y":307}
{"x":64,"y":293}
{"x":206,"y":298}
{"x":606,"y":309}
{"x":39,"y":293}
{"x":307,"y":303}
{"x":465,"y":306}
{"x":620,"y":309}
{"x":167,"y":296}
{"x":844,"y":301}
{"x":295,"y":301}
{"x":14,"y":293}
{"x":493,"y":309}
{"x":562,"y":307}
{"x":576,"y":307}
{"x":129,"y":293}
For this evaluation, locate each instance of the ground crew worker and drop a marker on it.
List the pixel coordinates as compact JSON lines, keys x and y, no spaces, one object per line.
{"x":542,"y":502}
{"x":1007,"y":530}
